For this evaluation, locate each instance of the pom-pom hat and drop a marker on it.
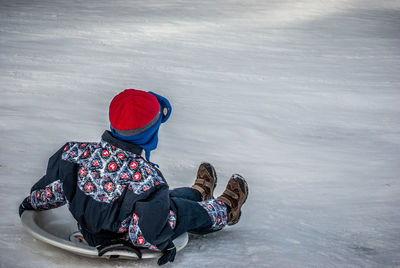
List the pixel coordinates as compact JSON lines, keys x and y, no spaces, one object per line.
{"x":136,"y":116}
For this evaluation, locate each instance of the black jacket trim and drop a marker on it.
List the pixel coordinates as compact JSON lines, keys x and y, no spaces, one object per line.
{"x":124,"y":145}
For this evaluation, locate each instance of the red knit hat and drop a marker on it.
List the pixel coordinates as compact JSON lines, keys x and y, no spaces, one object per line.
{"x":133,"y":111}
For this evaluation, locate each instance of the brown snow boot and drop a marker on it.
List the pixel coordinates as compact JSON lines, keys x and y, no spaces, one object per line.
{"x":234,"y":197}
{"x":206,"y":181}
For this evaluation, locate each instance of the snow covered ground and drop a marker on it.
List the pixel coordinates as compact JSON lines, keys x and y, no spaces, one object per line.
{"x":300,"y":97}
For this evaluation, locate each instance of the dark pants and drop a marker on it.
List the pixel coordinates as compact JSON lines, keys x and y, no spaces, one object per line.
{"x":190,"y":216}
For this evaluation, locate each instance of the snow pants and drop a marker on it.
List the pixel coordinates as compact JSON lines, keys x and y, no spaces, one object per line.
{"x":194,"y":215}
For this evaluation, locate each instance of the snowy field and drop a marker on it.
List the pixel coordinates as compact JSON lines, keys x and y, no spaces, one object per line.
{"x":300,"y":97}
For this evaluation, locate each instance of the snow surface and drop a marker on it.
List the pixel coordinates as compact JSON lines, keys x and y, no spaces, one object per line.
{"x":300,"y":97}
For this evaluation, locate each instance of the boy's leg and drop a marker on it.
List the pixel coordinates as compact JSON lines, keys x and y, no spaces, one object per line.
{"x":186,"y":193}
{"x":198,"y":217}
{"x":213,"y":214}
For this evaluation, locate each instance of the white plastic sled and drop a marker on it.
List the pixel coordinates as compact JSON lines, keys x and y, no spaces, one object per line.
{"x":57,"y":227}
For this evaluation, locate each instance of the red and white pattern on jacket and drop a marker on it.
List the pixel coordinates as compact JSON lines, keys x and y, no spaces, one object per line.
{"x":131,"y":224}
{"x":52,"y":196}
{"x":105,"y":171}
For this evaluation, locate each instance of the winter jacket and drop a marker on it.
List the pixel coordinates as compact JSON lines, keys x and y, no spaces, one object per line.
{"x":110,"y":190}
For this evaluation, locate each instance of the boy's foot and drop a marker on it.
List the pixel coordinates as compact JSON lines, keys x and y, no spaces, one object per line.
{"x":234,"y":197}
{"x":206,"y":181}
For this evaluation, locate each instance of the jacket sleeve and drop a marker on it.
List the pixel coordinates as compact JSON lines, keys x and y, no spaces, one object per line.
{"x":52,"y":171}
{"x":48,"y":192}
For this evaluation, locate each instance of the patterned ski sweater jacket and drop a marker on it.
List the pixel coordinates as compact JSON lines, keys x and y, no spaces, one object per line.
{"x":110,"y":190}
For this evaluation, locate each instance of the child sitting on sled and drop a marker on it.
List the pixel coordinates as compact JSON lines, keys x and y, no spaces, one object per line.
{"x":120,"y":198}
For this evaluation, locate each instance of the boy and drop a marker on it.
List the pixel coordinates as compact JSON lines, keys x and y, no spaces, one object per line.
{"x":121,"y":200}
